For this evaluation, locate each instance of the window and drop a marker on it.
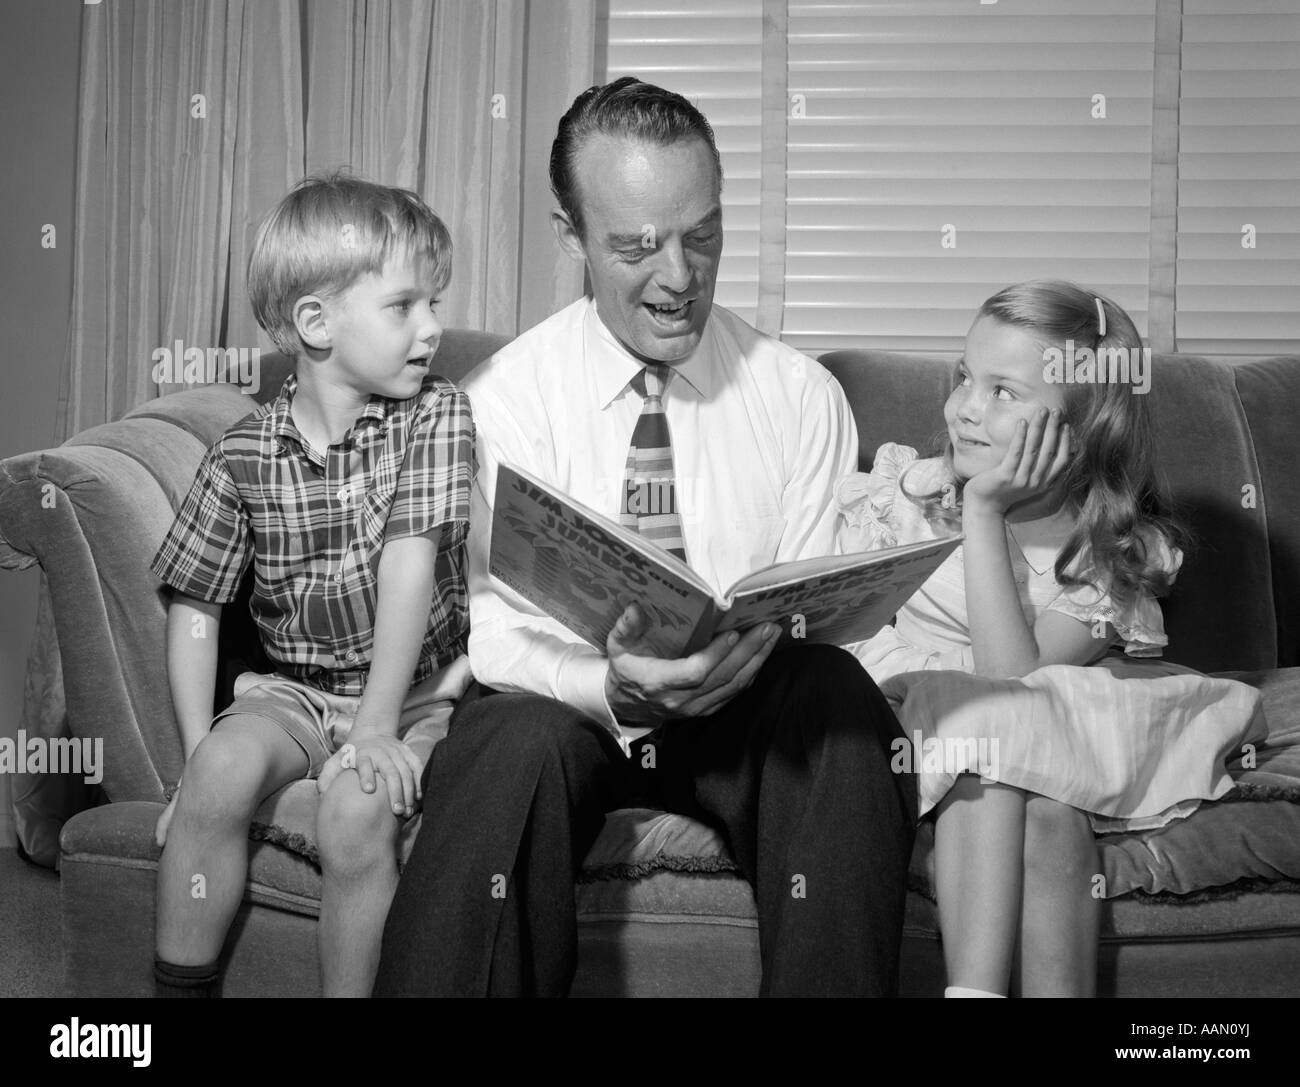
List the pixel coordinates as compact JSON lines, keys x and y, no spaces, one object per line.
{"x":937,"y":150}
{"x":1239,"y":178}
{"x":711,"y":53}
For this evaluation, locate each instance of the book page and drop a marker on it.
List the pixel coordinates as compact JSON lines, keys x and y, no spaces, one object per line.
{"x":786,"y":573}
{"x":845,"y":604}
{"x":579,"y":568}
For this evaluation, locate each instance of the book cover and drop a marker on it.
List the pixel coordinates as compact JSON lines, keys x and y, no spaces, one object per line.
{"x":584,"y":569}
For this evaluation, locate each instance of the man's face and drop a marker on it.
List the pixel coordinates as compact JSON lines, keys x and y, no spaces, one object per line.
{"x":652,"y":238}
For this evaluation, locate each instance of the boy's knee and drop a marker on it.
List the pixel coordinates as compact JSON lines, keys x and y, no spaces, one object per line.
{"x":219,"y":783}
{"x":354,"y":829}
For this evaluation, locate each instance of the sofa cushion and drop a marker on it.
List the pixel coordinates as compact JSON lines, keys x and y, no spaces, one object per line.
{"x":282,"y":868}
{"x":1250,"y":837}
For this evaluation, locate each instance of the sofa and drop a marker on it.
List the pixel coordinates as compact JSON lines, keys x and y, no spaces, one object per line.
{"x":1209,"y":906}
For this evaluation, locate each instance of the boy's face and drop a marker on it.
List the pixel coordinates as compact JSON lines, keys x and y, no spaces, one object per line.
{"x":383,"y":331}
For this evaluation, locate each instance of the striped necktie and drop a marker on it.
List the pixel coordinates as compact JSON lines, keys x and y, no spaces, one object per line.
{"x":649,"y":505}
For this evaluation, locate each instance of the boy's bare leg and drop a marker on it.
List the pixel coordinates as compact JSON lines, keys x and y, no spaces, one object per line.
{"x":242,"y":761}
{"x":1061,"y":915}
{"x":978,"y":838}
{"x":357,"y":835}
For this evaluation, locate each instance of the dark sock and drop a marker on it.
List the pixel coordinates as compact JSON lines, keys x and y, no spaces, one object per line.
{"x":171,"y":980}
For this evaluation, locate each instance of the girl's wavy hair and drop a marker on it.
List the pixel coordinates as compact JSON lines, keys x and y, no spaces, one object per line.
{"x":1111,"y":480}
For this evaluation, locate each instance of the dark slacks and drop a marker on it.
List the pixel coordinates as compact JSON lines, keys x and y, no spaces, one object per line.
{"x":795,"y":772}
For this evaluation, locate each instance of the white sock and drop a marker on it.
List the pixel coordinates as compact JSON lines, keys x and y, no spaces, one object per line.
{"x":959,"y":990}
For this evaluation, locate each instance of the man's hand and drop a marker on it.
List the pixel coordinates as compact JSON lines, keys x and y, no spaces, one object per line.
{"x":645,"y":689}
{"x":377,"y":754}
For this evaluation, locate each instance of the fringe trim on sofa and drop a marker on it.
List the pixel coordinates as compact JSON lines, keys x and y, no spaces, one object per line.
{"x":290,"y":840}
{"x":1227,"y":893}
{"x":1245,"y":791}
{"x":660,"y":862}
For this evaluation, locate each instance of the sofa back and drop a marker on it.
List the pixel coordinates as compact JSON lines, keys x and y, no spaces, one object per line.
{"x":92,"y":512}
{"x":1228,"y":447}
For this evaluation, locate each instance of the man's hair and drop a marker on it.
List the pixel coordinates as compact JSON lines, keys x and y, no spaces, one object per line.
{"x":326,"y":234}
{"x":626,"y":107}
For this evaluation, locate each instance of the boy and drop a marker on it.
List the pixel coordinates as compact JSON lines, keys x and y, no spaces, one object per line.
{"x":349,"y":493}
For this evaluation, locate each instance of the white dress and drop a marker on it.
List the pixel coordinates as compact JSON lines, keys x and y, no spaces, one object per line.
{"x":1132,"y":740}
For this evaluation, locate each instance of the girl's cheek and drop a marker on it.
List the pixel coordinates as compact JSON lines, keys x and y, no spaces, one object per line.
{"x":1009,"y":412}
{"x":1001,"y":418}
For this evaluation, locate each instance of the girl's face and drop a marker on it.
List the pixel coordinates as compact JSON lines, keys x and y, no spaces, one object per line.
{"x":999,"y":382}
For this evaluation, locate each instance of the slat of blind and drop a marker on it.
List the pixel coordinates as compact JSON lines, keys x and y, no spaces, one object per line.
{"x":1239,"y":167}
{"x":922,"y":113}
{"x":886,"y":193}
{"x":712,"y":53}
{"x":846,"y":268}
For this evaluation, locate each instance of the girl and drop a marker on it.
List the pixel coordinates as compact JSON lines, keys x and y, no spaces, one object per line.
{"x":1067,"y":545}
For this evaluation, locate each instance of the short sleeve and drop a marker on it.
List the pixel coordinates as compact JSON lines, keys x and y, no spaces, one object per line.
{"x":888,"y":505}
{"x":437,"y":474}
{"x":1139,"y":622}
{"x":208,"y":547}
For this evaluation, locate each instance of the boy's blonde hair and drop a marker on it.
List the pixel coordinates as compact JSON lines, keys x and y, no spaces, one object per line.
{"x":325,"y":235}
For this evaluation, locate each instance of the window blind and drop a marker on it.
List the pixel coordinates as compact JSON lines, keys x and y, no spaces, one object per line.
{"x":941,"y":149}
{"x":710,"y":52}
{"x":1238,"y":268}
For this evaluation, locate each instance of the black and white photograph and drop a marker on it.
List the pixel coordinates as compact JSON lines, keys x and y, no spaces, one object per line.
{"x":654,"y":499}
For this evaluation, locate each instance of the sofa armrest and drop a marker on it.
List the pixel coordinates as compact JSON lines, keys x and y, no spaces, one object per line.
{"x":88,"y":515}
{"x":92,"y":513}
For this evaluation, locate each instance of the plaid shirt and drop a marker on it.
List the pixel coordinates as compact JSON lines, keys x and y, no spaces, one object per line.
{"x":314,"y":528}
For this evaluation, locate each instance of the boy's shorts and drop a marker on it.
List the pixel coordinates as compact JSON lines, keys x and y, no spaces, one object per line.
{"x":320,"y":722}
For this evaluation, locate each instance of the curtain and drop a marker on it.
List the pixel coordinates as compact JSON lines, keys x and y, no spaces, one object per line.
{"x":195,"y":118}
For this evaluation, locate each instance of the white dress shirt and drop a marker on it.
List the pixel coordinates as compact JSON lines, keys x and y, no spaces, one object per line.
{"x":760,"y":434}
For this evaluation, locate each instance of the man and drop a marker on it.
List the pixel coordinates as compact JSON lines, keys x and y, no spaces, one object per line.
{"x":785,"y":751}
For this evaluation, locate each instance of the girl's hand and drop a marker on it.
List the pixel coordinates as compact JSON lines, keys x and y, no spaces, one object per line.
{"x":1035,"y":459}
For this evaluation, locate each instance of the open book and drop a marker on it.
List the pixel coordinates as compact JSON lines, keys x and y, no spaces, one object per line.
{"x":583,"y":569}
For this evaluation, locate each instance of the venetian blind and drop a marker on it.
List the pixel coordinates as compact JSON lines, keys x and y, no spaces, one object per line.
{"x":1238,"y":268}
{"x":941,"y":149}
{"x":710,"y":52}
